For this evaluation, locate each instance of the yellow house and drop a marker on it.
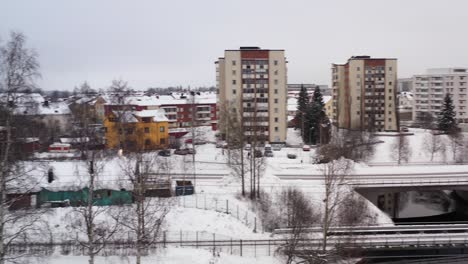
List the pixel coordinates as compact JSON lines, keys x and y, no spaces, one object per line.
{"x":137,"y":130}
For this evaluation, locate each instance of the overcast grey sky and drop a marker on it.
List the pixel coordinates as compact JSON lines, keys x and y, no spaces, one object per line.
{"x":164,"y":43}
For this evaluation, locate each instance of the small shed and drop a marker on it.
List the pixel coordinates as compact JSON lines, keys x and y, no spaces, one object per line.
{"x":184,"y":188}
{"x":60,"y":148}
{"x":158,"y":186}
{"x":101,"y":197}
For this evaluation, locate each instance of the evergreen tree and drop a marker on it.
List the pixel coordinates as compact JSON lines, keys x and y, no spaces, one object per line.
{"x":315,"y":117}
{"x":446,"y":121}
{"x":302,"y":106}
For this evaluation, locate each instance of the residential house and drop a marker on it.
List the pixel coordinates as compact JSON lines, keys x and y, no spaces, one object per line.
{"x":136,"y":130}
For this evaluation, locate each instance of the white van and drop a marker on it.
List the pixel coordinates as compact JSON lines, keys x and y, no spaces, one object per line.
{"x":267,"y":147}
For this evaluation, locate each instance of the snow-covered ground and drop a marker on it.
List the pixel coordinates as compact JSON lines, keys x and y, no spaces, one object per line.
{"x":418,"y":143}
{"x":170,"y":255}
{"x":225,"y":188}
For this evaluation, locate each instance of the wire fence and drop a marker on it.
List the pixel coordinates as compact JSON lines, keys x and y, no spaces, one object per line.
{"x":226,"y":206}
{"x":248,"y":248}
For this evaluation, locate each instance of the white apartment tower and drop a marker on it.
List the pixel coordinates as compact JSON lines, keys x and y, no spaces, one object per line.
{"x":430,"y":89}
{"x":252,"y":82}
{"x":364,"y":91}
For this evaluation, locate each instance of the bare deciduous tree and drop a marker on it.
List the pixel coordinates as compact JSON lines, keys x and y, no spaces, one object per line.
{"x":335,"y":173}
{"x":456,"y":145}
{"x":19,"y":68}
{"x":234,"y":135}
{"x":401,"y":151}
{"x":434,"y":144}
{"x":299,"y":215}
{"x":145,"y":218}
{"x":354,"y":145}
{"x":90,"y":220}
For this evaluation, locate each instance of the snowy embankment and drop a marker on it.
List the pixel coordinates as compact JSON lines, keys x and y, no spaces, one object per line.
{"x":170,"y":255}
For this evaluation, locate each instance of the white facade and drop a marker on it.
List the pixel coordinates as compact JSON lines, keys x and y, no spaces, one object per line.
{"x":430,"y":89}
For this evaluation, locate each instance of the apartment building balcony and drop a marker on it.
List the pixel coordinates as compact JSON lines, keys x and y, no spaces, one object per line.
{"x":170,"y":111}
{"x":259,"y":133}
{"x":206,"y":118}
{"x":255,"y":123}
{"x":252,"y":114}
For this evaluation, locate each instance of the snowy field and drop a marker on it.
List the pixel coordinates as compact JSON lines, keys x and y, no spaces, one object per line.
{"x":191,"y":213}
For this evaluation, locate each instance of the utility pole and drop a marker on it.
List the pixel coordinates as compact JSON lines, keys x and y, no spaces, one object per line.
{"x":193,"y":143}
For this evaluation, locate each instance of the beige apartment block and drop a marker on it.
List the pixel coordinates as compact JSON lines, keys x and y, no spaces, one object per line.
{"x":252,"y":83}
{"x":430,"y":89}
{"x":364,"y":94}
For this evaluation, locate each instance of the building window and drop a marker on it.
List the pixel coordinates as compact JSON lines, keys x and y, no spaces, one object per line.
{"x":276,"y":110}
{"x":389,"y":112}
{"x":276,"y":81}
{"x":233,"y":72}
{"x":389,"y":68}
{"x":162,"y":129}
{"x":147,"y":130}
{"x":275,"y":62}
{"x":276,"y":72}
{"x":389,"y":83}
{"x":389,"y":120}
{"x":389,"y":98}
{"x":276,"y":119}
{"x":276,"y":100}
{"x":358,"y":113}
{"x":233,"y":63}
{"x":276,"y":91}
{"x":233,"y":91}
{"x":147,"y":142}
{"x":276,"y":129}
{"x":162,"y":141}
{"x":233,"y":81}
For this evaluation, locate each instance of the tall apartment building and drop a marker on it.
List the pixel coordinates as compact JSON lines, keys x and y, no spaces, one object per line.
{"x":252,"y":82}
{"x":364,"y":94}
{"x":430,"y":89}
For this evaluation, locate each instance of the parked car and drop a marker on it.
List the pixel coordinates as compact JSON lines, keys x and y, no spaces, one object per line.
{"x":191,"y":151}
{"x":258,"y":153}
{"x":306,"y":148}
{"x":292,"y":156}
{"x":276,"y":147}
{"x":248,"y":147}
{"x":219,"y":144}
{"x":164,"y":153}
{"x":268,"y":153}
{"x":199,"y":142}
{"x":404,"y":129}
{"x":181,"y":151}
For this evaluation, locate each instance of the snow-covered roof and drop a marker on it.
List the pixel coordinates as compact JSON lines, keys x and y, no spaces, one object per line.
{"x":35,"y":104}
{"x":174,"y":99}
{"x":74,"y":140}
{"x":158,"y":115}
{"x":126,"y":117}
{"x":29,"y":139}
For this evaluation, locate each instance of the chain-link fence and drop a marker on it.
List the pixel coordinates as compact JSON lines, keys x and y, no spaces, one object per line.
{"x":222,"y":206}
